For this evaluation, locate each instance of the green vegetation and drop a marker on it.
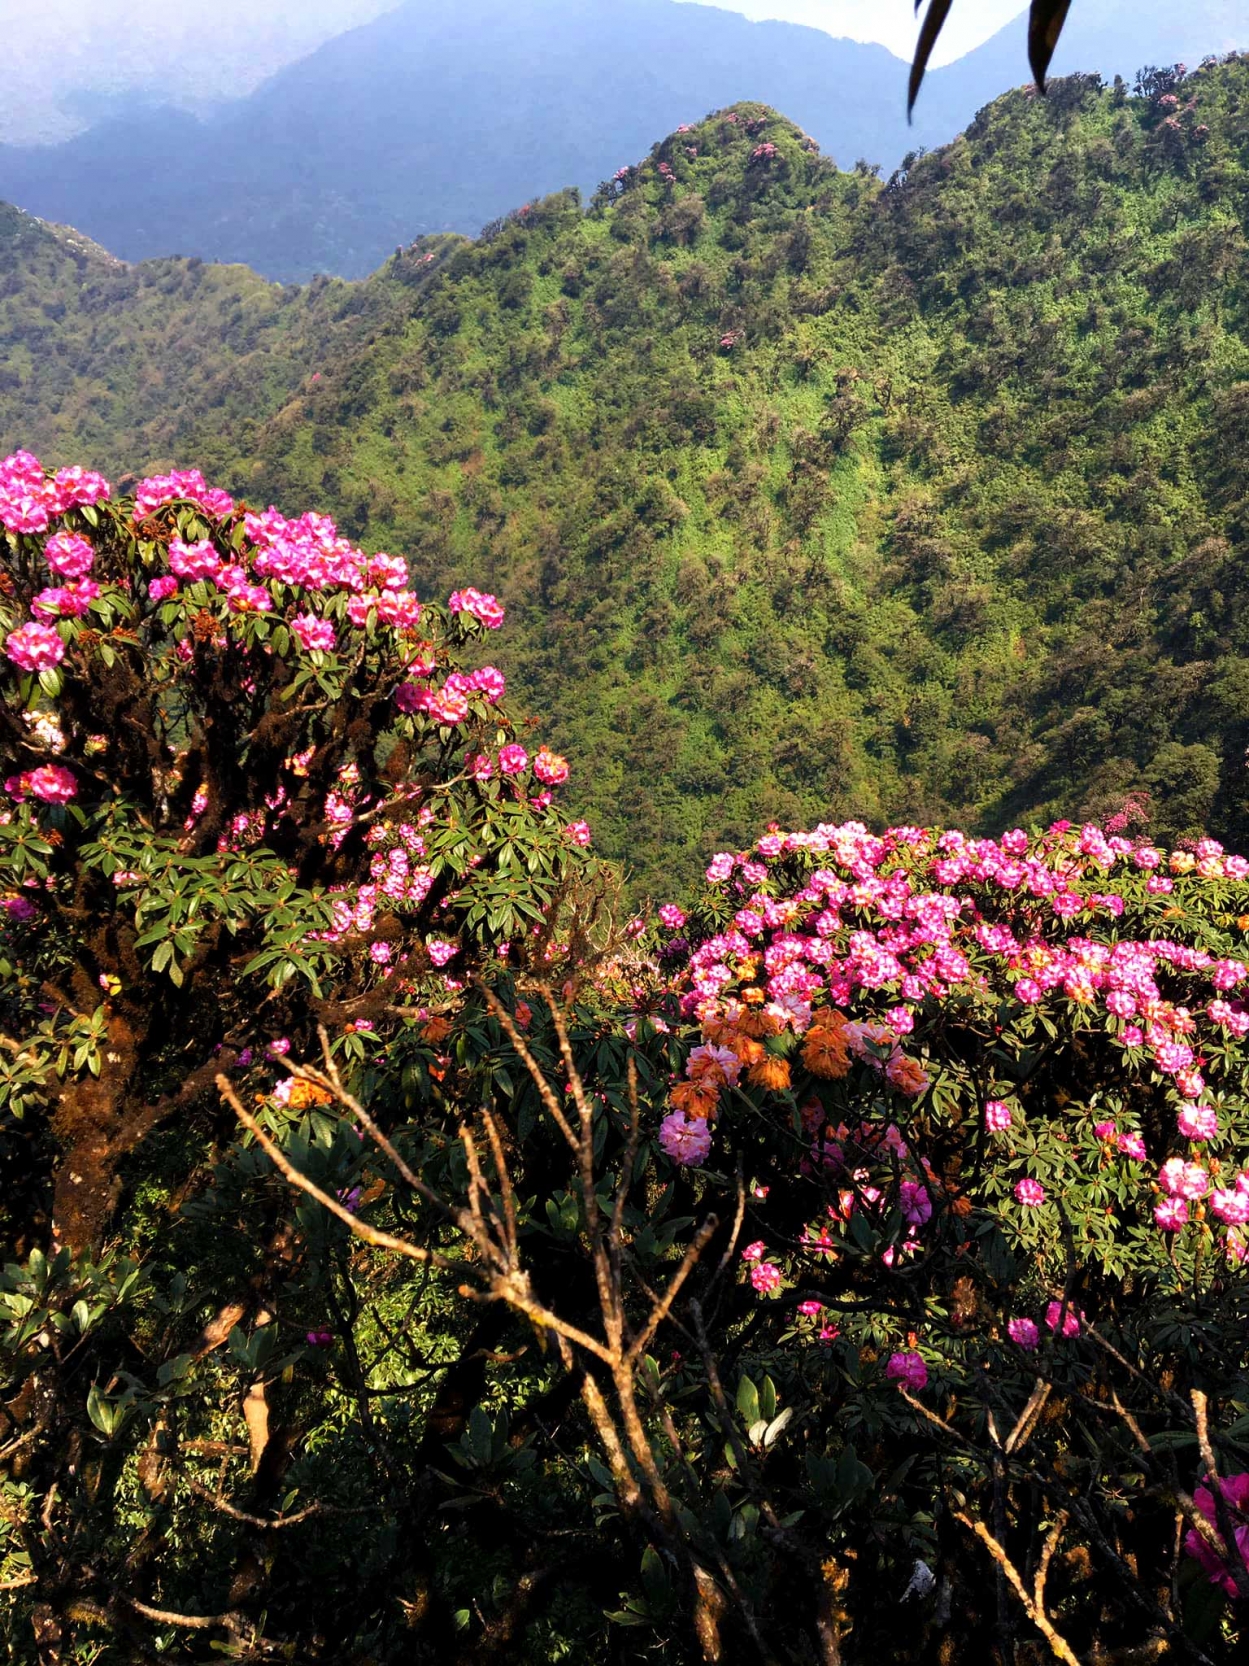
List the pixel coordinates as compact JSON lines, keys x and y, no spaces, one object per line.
{"x":947,"y":530}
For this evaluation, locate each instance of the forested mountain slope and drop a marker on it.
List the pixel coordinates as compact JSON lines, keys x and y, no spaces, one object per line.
{"x":810,"y":496}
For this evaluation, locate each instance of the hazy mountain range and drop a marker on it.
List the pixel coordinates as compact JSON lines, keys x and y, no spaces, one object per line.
{"x":442,"y":118}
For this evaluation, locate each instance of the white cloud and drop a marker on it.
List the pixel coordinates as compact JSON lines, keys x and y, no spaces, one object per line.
{"x":890,"y":22}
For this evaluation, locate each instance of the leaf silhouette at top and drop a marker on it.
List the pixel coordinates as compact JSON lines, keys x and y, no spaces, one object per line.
{"x":934,"y":20}
{"x":1045,"y":25}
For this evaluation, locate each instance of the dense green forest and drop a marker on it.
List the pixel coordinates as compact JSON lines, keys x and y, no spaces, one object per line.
{"x":810,"y":493}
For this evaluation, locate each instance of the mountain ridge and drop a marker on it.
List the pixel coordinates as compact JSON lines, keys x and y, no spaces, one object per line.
{"x":808,"y":495}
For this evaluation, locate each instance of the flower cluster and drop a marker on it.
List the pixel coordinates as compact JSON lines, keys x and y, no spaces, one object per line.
{"x":831,"y":972}
{"x":182,"y":589}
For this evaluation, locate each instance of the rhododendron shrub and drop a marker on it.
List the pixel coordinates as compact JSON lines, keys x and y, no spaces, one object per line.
{"x":249,"y":782}
{"x":989,"y":1101}
{"x":933,"y":1033}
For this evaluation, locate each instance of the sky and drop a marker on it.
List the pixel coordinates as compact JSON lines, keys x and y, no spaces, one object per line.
{"x":890,"y":22}
{"x":63,"y":57}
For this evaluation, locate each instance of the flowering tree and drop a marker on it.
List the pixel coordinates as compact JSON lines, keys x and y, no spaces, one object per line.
{"x":249,"y":783}
{"x":990,"y":1093}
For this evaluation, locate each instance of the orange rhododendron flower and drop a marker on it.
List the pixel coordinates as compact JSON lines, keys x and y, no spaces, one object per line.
{"x":770,"y":1073}
{"x":826,"y":1053}
{"x":747,"y":1049}
{"x":303,"y":1094}
{"x":707,"y":1072}
{"x":696,"y":1099}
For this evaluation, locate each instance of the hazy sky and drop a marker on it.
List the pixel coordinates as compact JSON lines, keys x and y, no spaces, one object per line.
{"x":891,"y":22}
{"x":62,"y":56}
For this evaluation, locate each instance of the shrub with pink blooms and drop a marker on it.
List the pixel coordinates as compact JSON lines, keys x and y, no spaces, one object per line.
{"x":875,"y":1219}
{"x":237,"y":797}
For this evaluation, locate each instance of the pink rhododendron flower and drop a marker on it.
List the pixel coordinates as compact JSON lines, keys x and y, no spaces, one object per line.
{"x":193,"y":561}
{"x":550,"y":767}
{"x":765,"y":1277}
{"x":1180,"y":1179}
{"x":446,"y":705}
{"x":1133,"y":1146}
{"x":489,"y":683}
{"x":915,"y":1202}
{"x":997,"y":1116}
{"x":671,"y":917}
{"x":440,"y":952}
{"x":69,"y":555}
{"x":398,"y":608}
{"x":755,"y":1251}
{"x":1023,"y":1332}
{"x":34,"y":647}
{"x":908,"y":1370}
{"x":1231,"y":1206}
{"x":720,"y":867}
{"x":1235,"y":1490}
{"x":1031,"y":1193}
{"x":1171,"y":1214}
{"x":164,"y":584}
{"x":513,"y":759}
{"x":687,"y":1140}
{"x":578,"y":832}
{"x":487,"y":609}
{"x":52,"y":783}
{"x":1070,"y":1320}
{"x":314,"y":635}
{"x":67,"y":601}
{"x":1198,"y":1122}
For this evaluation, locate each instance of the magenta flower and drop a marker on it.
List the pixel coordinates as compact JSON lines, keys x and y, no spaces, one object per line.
{"x":1235,"y":1490}
{"x":908,"y":1371}
{"x":193,"y":561}
{"x":65,"y":601}
{"x":671,"y":917}
{"x":1180,"y":1179}
{"x":165,"y":584}
{"x":1024,"y":1333}
{"x":487,"y":609}
{"x":997,"y":1116}
{"x":1198,"y":1122}
{"x":513,"y":759}
{"x":52,"y":783}
{"x":687,"y":1140}
{"x":314,"y":635}
{"x":915,"y":1202}
{"x":399,"y":608}
{"x":1230,"y":1206}
{"x":34,"y":647}
{"x":1171,"y":1214}
{"x":550,"y":768}
{"x":578,"y":832}
{"x":1071,"y":1320}
{"x":489,"y":682}
{"x":1030,"y":1193}
{"x":765,"y":1277}
{"x":69,"y":555}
